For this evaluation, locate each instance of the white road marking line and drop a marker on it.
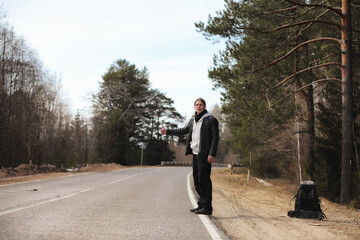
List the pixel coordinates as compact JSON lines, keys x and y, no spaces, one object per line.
{"x":205,"y":220}
{"x":70,"y":195}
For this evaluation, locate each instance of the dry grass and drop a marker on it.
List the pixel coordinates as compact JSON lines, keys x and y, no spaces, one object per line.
{"x":250,"y":210}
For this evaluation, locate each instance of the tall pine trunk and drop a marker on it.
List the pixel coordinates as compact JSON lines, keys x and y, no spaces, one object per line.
{"x":347,"y":147}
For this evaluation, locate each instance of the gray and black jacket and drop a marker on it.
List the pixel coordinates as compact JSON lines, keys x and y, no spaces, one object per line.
{"x":209,"y":135}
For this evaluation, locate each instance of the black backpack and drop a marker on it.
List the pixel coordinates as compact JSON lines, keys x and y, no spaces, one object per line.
{"x":307,"y":204}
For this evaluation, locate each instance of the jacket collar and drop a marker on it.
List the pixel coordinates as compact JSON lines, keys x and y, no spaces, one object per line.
{"x":208,"y":114}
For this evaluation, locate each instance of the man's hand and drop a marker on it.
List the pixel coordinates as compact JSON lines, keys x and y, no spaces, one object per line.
{"x":163,"y":130}
{"x":210,"y":159}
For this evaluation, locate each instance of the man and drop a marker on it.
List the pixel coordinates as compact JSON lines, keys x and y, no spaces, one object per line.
{"x":202,"y":141}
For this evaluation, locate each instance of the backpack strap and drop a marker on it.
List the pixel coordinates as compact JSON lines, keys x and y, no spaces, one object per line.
{"x":297,"y":199}
{"x":314,"y":200}
{"x":293,"y":198}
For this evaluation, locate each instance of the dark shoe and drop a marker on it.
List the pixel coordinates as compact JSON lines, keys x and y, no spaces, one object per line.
{"x":204,"y":211}
{"x":195,"y":209}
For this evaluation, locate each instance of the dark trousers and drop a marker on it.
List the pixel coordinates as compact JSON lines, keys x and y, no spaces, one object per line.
{"x":202,"y":181}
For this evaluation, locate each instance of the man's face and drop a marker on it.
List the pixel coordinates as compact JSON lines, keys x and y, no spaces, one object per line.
{"x":199,"y":106}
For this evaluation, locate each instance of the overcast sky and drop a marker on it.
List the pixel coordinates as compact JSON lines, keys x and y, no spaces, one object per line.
{"x":80,"y":39}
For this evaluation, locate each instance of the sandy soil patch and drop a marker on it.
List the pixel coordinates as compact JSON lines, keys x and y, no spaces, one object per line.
{"x":27,"y":172}
{"x":17,"y":179}
{"x":250,"y":210}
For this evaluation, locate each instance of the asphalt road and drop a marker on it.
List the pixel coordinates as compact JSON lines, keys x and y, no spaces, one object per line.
{"x":137,"y":203}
